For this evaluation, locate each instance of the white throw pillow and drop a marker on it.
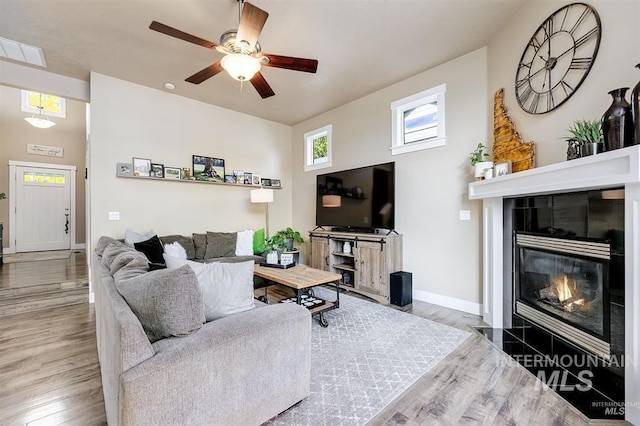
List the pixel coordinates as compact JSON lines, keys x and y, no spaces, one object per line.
{"x":244,"y":243}
{"x":176,"y":250}
{"x":227,"y":288}
{"x":131,"y":237}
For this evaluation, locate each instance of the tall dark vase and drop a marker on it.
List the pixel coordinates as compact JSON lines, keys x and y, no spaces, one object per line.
{"x":617,"y":122}
{"x":635,"y":111}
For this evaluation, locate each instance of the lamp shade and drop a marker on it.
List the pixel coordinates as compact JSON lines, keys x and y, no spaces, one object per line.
{"x":240,"y":66}
{"x":39,"y":122}
{"x":262,"y":195}
{"x":331,"y":201}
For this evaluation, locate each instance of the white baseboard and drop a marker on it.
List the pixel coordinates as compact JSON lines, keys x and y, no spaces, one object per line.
{"x":92,"y":298}
{"x":448,"y":302}
{"x":78,"y":246}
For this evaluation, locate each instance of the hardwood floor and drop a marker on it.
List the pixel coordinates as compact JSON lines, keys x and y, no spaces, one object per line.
{"x":49,"y":374}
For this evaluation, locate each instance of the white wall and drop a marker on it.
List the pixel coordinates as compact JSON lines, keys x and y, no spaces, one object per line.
{"x":442,"y":252}
{"x":129,"y":120}
{"x":613,"y":68}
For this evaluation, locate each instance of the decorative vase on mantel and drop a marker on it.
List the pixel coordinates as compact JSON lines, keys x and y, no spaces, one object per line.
{"x":617,"y":122}
{"x":635,"y":111}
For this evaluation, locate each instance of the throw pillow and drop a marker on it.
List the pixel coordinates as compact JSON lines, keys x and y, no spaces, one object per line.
{"x":258,"y":241}
{"x":244,"y":243}
{"x":227,"y":288}
{"x":185,"y":242}
{"x":131,"y":237}
{"x":200,"y":245}
{"x":152,"y":248}
{"x":167,"y":302}
{"x":175,"y":250}
{"x":220,"y":244}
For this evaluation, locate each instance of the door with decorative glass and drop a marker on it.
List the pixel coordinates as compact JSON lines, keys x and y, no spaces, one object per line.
{"x":43,"y":209}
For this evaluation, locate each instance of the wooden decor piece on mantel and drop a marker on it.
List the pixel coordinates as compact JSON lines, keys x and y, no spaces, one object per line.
{"x":507,"y":143}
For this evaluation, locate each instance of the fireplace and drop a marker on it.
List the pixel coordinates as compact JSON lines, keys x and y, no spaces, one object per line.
{"x":562,"y":285}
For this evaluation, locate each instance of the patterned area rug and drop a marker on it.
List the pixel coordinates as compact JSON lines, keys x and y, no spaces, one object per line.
{"x":366,"y":358}
{"x":36,"y":256}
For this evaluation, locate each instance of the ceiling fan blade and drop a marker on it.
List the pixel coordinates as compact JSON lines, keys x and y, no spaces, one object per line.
{"x":170,"y":31}
{"x":251,"y":23}
{"x":205,"y":74}
{"x":261,"y":86}
{"x":290,"y":63}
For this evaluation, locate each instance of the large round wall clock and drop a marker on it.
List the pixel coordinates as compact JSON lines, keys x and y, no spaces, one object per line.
{"x":558,"y":58}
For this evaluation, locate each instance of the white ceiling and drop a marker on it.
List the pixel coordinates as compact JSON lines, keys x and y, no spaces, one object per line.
{"x":361,"y":45}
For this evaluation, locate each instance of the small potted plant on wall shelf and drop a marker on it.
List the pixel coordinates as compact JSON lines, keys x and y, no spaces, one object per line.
{"x":479,"y":162}
{"x":587,"y":135}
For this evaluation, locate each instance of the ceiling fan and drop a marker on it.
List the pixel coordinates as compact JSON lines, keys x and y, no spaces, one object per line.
{"x":243,"y":53}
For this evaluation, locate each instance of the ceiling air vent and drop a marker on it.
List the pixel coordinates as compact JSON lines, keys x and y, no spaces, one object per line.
{"x":21,"y":52}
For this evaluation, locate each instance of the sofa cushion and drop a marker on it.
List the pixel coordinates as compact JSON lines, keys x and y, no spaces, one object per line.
{"x":131,"y":237}
{"x":200,"y":245}
{"x":152,"y":248}
{"x":185,"y":242}
{"x":220,"y":244}
{"x":227,"y":288}
{"x":167,"y":302}
{"x":244,"y":243}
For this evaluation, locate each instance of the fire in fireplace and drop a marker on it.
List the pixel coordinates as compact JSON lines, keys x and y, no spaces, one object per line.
{"x":562,"y":285}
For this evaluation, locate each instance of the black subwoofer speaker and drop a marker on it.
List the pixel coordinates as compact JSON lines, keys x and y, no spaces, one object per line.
{"x":401,"y":292}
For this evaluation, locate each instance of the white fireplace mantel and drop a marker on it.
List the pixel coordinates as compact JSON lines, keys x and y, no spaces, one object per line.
{"x":619,"y":168}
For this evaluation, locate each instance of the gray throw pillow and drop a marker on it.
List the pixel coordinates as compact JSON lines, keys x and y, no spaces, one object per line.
{"x":185,"y":242}
{"x":168,"y":302}
{"x":220,"y":244}
{"x":200,"y":245}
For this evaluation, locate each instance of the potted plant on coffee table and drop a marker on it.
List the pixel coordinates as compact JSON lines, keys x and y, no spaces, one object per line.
{"x":285,"y":238}
{"x":588,"y":135}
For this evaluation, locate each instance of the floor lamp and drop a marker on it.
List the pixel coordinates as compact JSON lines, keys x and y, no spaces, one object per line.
{"x":264,"y":196}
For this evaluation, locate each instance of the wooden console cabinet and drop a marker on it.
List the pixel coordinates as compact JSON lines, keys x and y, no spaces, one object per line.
{"x":366,"y":269}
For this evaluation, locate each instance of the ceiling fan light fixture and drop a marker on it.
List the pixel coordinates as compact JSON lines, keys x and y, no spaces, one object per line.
{"x":240,"y":66}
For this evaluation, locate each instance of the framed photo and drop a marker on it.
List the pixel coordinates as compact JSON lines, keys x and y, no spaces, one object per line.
{"x":502,"y":169}
{"x":265,"y":182}
{"x":239,"y":175}
{"x":186,"y":173}
{"x":230,"y":178}
{"x":208,"y":168}
{"x":247,"y":179}
{"x":124,"y":169}
{"x":157,"y":170}
{"x":275,"y":183}
{"x":172,"y":172}
{"x":257,"y":180}
{"x":141,"y":166}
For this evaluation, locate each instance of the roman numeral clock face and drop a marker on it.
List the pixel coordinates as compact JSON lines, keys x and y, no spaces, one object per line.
{"x":558,"y":58}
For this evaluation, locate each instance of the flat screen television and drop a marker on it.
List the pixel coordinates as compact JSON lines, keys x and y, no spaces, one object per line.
{"x":360,"y":199}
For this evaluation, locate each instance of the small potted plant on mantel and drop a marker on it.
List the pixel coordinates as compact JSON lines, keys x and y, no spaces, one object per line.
{"x":479,"y":162}
{"x":587,"y":135}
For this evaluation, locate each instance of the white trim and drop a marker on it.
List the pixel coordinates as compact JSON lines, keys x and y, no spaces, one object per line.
{"x":12,"y":198}
{"x":75,"y":246}
{"x":308,"y":148}
{"x":448,"y":302}
{"x":92,"y":298}
{"x":398,"y":108}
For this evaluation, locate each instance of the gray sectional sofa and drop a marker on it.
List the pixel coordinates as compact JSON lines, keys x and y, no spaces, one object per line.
{"x":242,"y":369}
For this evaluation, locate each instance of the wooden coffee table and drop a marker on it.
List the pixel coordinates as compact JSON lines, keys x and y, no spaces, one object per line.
{"x":301,"y":279}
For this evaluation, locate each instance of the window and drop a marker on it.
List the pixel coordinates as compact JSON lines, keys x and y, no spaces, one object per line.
{"x":46,"y":178}
{"x":53,"y":106}
{"x":417,"y":121}
{"x":317,"y":148}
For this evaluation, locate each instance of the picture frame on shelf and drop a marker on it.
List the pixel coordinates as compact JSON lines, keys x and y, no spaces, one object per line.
{"x":186,"y":173}
{"x":230,"y":178}
{"x":248,"y":180}
{"x":141,"y":166}
{"x":275,"y":183}
{"x":124,"y":169}
{"x":172,"y":173}
{"x":502,"y":169}
{"x":265,"y":182}
{"x":157,"y":170}
{"x":256,"y":180}
{"x":208,"y":168}
{"x":239,"y":175}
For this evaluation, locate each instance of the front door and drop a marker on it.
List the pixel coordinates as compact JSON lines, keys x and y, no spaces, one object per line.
{"x":43,"y":209}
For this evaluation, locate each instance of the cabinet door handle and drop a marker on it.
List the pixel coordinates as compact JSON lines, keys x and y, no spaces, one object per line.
{"x":326,"y":260}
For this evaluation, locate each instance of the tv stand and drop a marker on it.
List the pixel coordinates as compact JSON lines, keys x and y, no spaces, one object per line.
{"x":366,"y":264}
